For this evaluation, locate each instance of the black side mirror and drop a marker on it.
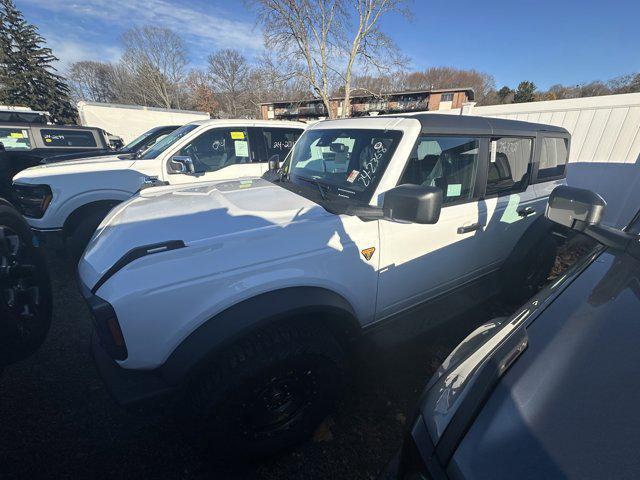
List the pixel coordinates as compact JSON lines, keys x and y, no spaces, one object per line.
{"x":575,"y":208}
{"x":413,"y":203}
{"x":274,"y":162}
{"x":181,"y":164}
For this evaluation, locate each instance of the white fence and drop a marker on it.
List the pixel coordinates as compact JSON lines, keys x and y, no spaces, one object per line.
{"x":605,"y":144}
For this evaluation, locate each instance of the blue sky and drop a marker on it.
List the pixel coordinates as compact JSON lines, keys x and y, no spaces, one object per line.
{"x":570,"y":42}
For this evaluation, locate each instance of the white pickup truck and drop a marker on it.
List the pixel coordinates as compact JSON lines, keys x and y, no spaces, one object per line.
{"x":68,"y":199}
{"x":247,"y":294}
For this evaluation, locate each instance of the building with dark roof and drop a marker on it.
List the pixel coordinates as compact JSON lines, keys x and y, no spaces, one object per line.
{"x":367,"y":103}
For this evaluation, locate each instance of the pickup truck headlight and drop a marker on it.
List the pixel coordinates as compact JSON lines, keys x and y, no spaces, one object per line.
{"x":33,"y":200}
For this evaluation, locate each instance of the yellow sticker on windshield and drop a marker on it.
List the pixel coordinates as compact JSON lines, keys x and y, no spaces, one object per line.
{"x":237,"y":135}
{"x":16,"y":135}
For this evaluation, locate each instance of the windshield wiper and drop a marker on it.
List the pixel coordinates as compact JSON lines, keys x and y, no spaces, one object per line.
{"x":317,"y":184}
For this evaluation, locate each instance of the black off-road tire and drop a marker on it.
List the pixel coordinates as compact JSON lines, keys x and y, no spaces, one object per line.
{"x":25,"y":289}
{"x":525,"y":278}
{"x":270,"y":390}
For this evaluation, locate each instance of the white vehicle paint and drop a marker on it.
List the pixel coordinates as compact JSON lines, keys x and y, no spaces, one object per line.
{"x":78,"y":183}
{"x":244,"y":238}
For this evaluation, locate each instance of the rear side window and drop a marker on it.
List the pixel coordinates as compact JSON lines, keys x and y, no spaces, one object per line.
{"x":68,"y":138}
{"x":553,"y":158}
{"x":509,"y":165}
{"x":279,"y":141}
{"x":449,"y":163}
{"x":15,"y":139}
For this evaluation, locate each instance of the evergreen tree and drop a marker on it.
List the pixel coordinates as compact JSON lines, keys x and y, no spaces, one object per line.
{"x":27,"y":76}
{"x":526,"y":92}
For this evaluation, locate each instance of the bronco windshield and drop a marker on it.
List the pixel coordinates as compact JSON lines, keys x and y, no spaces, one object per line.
{"x":167,"y":141}
{"x":348,"y":163}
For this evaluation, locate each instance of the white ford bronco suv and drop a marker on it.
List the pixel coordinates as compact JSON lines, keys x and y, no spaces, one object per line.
{"x":245,"y":296}
{"x":69,"y":199}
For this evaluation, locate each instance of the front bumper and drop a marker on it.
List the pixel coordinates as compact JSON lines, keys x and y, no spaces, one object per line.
{"x":127,"y":386}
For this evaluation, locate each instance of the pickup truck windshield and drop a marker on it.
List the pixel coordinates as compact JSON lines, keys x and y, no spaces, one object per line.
{"x":348,"y":163}
{"x":167,"y":141}
{"x":15,"y":138}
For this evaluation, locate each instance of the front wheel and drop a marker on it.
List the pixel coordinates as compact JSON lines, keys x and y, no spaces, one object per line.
{"x":25,"y":290}
{"x":271,"y":390}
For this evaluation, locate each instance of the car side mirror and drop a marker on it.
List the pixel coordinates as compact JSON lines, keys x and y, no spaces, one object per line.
{"x":413,"y":203}
{"x":274,"y":162}
{"x":181,"y":164}
{"x":575,"y":208}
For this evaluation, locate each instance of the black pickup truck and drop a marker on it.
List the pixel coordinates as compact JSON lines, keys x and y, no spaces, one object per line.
{"x":24,"y":145}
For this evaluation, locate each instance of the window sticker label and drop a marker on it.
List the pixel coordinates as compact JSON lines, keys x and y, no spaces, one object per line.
{"x":16,"y":135}
{"x":352,"y":176}
{"x":237,"y":136}
{"x":242,"y":148}
{"x":454,"y":190}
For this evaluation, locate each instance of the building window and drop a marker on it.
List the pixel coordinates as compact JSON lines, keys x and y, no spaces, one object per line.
{"x":447,"y":97}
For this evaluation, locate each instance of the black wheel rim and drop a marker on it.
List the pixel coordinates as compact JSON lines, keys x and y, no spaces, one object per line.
{"x":279,"y":403}
{"x":20,"y":292}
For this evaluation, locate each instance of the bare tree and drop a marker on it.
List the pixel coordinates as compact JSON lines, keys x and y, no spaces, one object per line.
{"x":156,"y":57}
{"x":229,"y":75}
{"x":450,"y":77}
{"x":199,"y":93}
{"x":329,"y":39}
{"x":91,"y":81}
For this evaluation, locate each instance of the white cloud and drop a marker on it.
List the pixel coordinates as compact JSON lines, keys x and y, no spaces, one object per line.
{"x":214,"y":29}
{"x":71,"y":50}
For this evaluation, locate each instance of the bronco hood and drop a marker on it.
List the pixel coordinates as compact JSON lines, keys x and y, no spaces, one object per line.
{"x":83,"y":165}
{"x":200,"y":215}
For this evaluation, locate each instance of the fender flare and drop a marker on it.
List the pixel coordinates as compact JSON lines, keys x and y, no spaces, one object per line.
{"x":253,"y":314}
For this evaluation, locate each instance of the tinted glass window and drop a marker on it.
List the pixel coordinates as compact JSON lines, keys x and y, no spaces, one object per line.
{"x":279,"y":141}
{"x":161,"y":145}
{"x":218,"y":148}
{"x":553,"y":158}
{"x":15,"y":138}
{"x":509,"y":165}
{"x":449,"y":163}
{"x":348,"y":163}
{"x":68,"y":138}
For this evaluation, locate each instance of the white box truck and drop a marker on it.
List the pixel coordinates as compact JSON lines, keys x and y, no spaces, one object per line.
{"x":131,"y":121}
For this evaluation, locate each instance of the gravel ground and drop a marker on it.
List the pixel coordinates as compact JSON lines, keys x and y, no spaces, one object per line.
{"x":57,"y":420}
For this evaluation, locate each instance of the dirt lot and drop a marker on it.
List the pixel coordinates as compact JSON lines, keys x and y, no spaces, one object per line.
{"x":58,"y":420}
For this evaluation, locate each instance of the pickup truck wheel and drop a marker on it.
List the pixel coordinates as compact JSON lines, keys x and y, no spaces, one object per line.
{"x":79,"y":238}
{"x":271,"y":390}
{"x":25,"y":290}
{"x":526,"y":278}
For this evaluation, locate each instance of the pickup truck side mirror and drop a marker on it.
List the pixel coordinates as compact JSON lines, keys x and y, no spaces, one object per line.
{"x":581,"y":210}
{"x":274,"y":162}
{"x":413,"y":203}
{"x":575,"y":208}
{"x":181,"y":164}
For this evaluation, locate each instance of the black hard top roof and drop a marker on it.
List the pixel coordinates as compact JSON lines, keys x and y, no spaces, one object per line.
{"x":46,"y":126}
{"x":470,"y":124}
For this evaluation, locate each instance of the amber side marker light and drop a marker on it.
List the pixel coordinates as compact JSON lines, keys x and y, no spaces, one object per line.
{"x":116,"y":333}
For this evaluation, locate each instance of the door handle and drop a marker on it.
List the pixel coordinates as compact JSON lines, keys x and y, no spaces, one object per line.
{"x":469,"y":228}
{"x":526,"y":211}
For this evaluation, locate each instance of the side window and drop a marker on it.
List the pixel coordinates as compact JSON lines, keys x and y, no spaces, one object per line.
{"x":279,"y":141}
{"x":509,"y":165}
{"x":218,"y":148}
{"x":68,"y":138}
{"x":449,"y":163}
{"x":553,"y":158}
{"x":15,"y":138}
